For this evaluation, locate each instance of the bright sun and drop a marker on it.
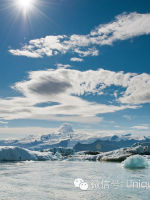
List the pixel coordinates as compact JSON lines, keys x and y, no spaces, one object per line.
{"x":25,"y":4}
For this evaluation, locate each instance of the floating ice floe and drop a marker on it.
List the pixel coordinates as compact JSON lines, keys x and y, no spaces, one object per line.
{"x":136,"y":162}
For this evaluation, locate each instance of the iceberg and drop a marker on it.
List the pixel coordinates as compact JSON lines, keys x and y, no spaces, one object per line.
{"x":136,"y":162}
{"x":10,"y":153}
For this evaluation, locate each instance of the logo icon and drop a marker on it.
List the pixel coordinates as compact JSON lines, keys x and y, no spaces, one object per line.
{"x":80,"y":183}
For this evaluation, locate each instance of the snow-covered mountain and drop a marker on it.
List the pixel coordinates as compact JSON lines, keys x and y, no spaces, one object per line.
{"x":66,"y":137}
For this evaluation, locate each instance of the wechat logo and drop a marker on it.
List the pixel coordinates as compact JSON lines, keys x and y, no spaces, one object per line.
{"x":80,"y":183}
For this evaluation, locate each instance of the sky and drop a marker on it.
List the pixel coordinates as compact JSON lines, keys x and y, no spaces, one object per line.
{"x":70,"y":61}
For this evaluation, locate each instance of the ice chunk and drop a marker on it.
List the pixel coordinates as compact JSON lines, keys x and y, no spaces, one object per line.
{"x":136,"y":162}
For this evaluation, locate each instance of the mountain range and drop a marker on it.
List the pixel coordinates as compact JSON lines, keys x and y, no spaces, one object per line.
{"x":66,"y":137}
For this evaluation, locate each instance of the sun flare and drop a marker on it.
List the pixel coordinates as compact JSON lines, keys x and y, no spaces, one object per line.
{"x":25,"y":4}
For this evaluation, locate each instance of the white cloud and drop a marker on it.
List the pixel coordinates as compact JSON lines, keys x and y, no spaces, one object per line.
{"x":88,"y":52}
{"x":62,"y":91}
{"x":63,"y":66}
{"x":138,"y":91}
{"x":48,"y":46}
{"x":125,"y":26}
{"x":140,"y":127}
{"x":25,"y":52}
{"x":68,"y":81}
{"x":74,"y":59}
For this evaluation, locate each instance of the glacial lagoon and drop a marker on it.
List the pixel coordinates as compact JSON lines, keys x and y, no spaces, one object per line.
{"x":54,"y":180}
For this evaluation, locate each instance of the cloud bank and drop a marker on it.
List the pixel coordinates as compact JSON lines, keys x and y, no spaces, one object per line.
{"x":59,"y":95}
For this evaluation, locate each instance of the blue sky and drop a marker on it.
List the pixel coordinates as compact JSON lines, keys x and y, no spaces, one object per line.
{"x":81,"y":62}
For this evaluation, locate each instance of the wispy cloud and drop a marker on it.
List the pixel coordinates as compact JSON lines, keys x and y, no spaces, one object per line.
{"x":88,"y":52}
{"x":63,"y":66}
{"x":140,"y":127}
{"x":75,"y":59}
{"x":125,"y":26}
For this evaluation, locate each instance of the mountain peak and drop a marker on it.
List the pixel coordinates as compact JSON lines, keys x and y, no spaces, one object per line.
{"x":66,"y":128}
